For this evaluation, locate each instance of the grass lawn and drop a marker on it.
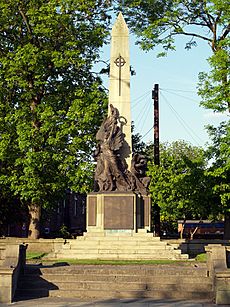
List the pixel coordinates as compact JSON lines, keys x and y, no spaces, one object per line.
{"x":38,"y":256}
{"x":34,"y":255}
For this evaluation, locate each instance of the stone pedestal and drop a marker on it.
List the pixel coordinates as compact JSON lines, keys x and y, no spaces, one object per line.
{"x":117,"y":212}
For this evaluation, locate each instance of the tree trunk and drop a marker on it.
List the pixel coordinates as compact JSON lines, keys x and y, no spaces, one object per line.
{"x":227,"y":226}
{"x":182,"y":231}
{"x":34,"y":226}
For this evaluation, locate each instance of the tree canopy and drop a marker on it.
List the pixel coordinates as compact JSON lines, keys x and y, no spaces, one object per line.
{"x":214,"y":86}
{"x":178,"y":183}
{"x":160,"y":22}
{"x":218,"y":153}
{"x":50,"y":101}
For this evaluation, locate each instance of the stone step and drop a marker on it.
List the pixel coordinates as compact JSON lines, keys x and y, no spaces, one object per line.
{"x":120,"y":250}
{"x":117,"y":257}
{"x":117,"y":273}
{"x":206,"y":296}
{"x":129,"y":284}
{"x":118,"y":245}
{"x":121,"y":246}
{"x":119,"y":235}
{"x":185,"y":271}
{"x":122,"y":281}
{"x":203,"y":281}
{"x":127,"y":248}
{"x":155,"y":294}
{"x":110,"y":255}
{"x":139,"y":246}
{"x":117,"y":240}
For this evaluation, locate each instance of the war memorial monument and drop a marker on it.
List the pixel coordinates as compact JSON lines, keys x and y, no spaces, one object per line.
{"x":120,"y":202}
{"x":119,"y":209}
{"x":118,"y":226}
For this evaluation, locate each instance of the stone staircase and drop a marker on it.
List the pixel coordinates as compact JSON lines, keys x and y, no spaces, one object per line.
{"x":184,"y":281}
{"x":138,"y":246}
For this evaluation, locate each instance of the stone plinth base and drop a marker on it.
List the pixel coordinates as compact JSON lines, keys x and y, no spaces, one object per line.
{"x":116,"y":212}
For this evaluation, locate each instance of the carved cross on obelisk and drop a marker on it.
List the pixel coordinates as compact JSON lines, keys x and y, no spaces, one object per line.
{"x":119,"y":87}
{"x":120,"y":61}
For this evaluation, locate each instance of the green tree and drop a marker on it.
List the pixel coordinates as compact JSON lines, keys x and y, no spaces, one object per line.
{"x":178,"y":183}
{"x":219,"y":171}
{"x":50,"y":101}
{"x":138,"y":146}
{"x":214,"y":86}
{"x":160,"y":22}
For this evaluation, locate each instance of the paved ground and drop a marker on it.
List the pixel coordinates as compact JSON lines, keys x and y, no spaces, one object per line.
{"x":68,"y":302}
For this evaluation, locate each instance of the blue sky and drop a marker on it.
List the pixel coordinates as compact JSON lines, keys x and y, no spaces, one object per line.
{"x":181,"y":117}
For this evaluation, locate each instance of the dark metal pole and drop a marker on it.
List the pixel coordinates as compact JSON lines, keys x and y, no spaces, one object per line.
{"x":155,"y":97}
{"x":156,"y":124}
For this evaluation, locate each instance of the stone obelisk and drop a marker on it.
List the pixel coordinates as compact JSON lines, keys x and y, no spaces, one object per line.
{"x":120,"y":202}
{"x":119,"y":82}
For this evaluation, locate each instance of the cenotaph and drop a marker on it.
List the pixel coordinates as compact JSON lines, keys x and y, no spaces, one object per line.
{"x":120,"y":202}
{"x":118,"y":211}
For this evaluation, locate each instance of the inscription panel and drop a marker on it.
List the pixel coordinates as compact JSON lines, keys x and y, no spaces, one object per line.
{"x":118,"y":212}
{"x":147,"y":208}
{"x":140,"y":213}
{"x":92,"y":211}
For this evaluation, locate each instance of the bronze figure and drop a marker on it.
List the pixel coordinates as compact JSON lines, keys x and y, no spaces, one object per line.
{"x":111,"y":171}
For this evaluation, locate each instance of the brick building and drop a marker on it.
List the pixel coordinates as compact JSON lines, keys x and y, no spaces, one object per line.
{"x":68,"y":216}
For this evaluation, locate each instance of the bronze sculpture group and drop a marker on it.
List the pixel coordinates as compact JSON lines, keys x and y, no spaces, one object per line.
{"x":112,"y":172}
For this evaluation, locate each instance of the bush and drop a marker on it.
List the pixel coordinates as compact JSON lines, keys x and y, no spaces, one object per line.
{"x":201,"y":257}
